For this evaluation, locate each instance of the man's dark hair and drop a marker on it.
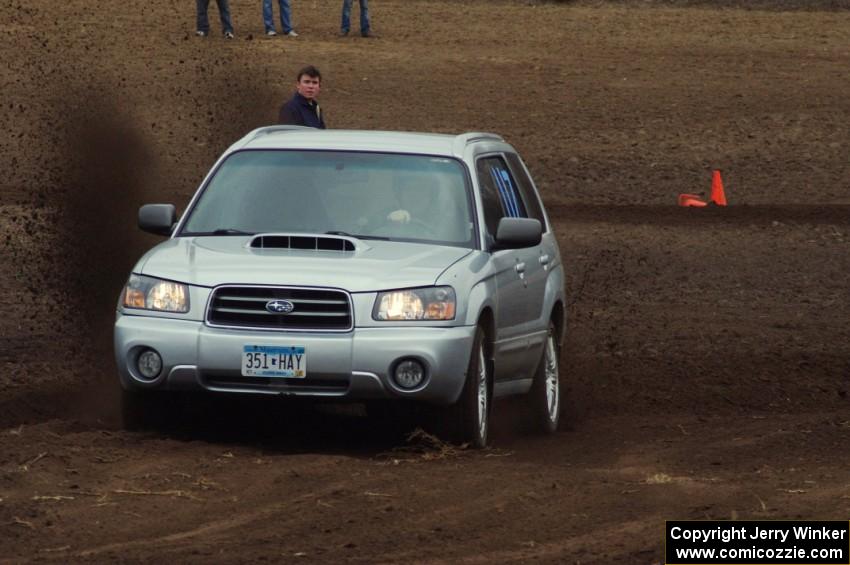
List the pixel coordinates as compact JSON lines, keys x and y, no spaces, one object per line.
{"x":310,"y":71}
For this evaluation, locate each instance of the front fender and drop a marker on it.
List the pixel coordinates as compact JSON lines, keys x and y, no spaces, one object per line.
{"x":481,"y":296}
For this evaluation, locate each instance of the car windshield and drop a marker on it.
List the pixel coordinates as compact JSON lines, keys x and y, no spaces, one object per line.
{"x":365,"y":195}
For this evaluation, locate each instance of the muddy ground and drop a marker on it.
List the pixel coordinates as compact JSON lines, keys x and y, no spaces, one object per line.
{"x":708,"y":354}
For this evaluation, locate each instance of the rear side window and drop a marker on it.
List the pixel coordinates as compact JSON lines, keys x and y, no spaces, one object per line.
{"x":499,"y":192}
{"x":526,"y":189}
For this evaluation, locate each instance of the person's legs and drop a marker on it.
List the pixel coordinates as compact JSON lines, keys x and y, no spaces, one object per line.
{"x":268,"y":17}
{"x":346,"y":16}
{"x":202,"y":23}
{"x":224,"y":13}
{"x":285,"y":16}
{"x":364,"y":17}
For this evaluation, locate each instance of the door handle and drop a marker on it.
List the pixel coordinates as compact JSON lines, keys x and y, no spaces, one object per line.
{"x":520,"y":267}
{"x":544,"y":259}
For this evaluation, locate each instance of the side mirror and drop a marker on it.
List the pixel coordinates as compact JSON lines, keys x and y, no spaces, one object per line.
{"x":158,"y":218}
{"x":516,"y":233}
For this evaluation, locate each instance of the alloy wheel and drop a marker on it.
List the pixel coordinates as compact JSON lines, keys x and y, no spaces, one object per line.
{"x":552,"y":381}
{"x":483,"y":399}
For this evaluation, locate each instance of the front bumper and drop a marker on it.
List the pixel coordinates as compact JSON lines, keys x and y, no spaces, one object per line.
{"x":349,"y":366}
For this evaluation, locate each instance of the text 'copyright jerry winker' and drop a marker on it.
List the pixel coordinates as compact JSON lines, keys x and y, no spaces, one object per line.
{"x":755,"y":542}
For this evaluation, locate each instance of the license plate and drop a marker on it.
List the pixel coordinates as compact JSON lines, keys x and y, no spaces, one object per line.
{"x":274,"y":361}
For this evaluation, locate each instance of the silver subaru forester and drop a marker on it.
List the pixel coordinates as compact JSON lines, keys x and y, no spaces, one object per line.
{"x":360,"y":266}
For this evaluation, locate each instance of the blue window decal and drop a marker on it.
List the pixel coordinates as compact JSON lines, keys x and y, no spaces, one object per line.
{"x":511,"y":190}
{"x":506,"y":191}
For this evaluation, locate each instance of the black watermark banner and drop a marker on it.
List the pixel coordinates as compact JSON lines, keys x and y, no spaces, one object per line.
{"x":757,"y":542}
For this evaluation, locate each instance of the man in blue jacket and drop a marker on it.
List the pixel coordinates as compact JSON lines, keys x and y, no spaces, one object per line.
{"x":303,"y":109}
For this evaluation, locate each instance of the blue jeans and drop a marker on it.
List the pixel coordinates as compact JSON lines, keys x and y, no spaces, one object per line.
{"x":203,"y":24}
{"x":285,"y":15}
{"x":346,"y":16}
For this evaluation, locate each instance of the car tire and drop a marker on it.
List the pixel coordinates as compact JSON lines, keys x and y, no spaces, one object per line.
{"x":544,"y":398}
{"x":470,"y":415}
{"x":145,"y":411}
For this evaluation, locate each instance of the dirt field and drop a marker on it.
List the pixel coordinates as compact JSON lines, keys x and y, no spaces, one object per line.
{"x":708,"y":352}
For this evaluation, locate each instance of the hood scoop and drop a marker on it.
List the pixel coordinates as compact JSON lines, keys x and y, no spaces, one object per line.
{"x":305,"y":242}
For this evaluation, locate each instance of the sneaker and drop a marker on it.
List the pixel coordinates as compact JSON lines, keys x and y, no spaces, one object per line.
{"x":200,"y":33}
{"x":291,"y":33}
{"x":271,"y":33}
{"x":343,"y":32}
{"x":368,"y":34}
{"x":228,"y":35}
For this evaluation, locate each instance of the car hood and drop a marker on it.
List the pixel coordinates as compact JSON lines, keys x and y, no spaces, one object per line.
{"x":374,"y":265}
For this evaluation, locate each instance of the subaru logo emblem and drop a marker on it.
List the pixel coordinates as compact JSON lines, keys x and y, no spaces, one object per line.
{"x":280,"y":306}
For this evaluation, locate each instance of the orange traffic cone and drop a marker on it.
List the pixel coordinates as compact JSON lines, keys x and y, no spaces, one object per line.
{"x":718,"y":195}
{"x":691,"y":200}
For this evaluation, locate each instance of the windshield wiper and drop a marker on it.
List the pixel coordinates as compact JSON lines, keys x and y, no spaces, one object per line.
{"x":357,"y":236}
{"x":230,"y":231}
{"x":220,"y":231}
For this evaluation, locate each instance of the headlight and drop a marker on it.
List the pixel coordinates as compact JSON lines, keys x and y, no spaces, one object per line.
{"x":429,"y":303}
{"x":155,"y":294}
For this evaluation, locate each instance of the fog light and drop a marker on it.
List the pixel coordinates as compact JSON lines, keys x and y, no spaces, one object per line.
{"x":409,"y":374}
{"x":149,"y":364}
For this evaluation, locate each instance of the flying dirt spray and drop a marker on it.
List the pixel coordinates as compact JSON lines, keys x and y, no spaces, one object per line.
{"x":92,"y":240}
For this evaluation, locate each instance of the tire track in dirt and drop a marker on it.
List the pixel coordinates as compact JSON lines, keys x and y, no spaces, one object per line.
{"x":213,"y":528}
{"x":639,"y":533}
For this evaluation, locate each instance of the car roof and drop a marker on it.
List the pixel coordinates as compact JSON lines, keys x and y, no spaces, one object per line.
{"x":296,"y":137}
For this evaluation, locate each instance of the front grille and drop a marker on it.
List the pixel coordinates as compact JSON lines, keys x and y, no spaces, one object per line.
{"x":314,"y":309}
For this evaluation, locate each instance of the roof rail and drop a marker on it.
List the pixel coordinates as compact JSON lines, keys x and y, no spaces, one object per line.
{"x":472,"y":136}
{"x":465,"y":139}
{"x":277,"y":129}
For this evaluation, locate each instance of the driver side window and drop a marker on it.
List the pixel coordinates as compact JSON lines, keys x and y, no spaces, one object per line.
{"x":499,"y":193}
